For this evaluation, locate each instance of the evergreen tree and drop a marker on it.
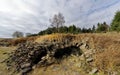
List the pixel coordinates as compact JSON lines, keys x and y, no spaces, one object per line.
{"x":102,"y":27}
{"x":115,"y":25}
{"x":93,"y":28}
{"x":72,"y":29}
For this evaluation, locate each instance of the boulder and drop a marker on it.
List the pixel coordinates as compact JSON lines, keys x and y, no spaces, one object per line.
{"x":89,"y":59}
{"x":26,"y":70}
{"x":26,"y":65}
{"x":95,"y":70}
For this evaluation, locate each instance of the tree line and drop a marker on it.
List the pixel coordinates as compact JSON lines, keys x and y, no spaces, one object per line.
{"x":58,"y":26}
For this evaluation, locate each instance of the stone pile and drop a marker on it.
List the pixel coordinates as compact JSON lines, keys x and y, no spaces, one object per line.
{"x":30,"y":54}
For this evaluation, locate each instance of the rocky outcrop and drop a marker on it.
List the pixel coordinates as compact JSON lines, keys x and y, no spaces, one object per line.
{"x":31,"y":54}
{"x":5,"y":42}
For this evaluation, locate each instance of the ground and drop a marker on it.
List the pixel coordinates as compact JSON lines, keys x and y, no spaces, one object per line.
{"x":4,"y":51}
{"x":106,"y":59}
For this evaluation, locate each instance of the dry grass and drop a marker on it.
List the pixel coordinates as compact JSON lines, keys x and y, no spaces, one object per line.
{"x":109,"y":59}
{"x":3,"y":56}
{"x":17,"y":41}
{"x":96,"y":40}
{"x":55,"y":37}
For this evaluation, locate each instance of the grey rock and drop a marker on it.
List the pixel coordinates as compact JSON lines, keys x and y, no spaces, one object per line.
{"x":25,"y":65}
{"x":8,"y":68}
{"x":26,"y":70}
{"x":34,"y":67}
{"x":55,"y":68}
{"x":95,"y":70}
{"x":89,"y":59}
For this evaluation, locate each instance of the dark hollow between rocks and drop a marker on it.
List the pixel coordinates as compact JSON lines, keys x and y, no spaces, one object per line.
{"x":59,"y":54}
{"x":39,"y":56}
{"x":67,"y":52}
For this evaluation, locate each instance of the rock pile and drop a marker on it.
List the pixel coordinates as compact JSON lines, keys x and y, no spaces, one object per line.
{"x":29,"y":54}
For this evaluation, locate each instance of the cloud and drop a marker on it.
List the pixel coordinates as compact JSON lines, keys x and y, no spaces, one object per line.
{"x":33,"y":15}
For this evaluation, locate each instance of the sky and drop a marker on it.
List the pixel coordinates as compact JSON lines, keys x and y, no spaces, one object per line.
{"x":32,"y":16}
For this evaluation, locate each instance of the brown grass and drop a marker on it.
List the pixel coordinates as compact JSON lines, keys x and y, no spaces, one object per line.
{"x":55,"y":37}
{"x":109,"y":59}
{"x":3,"y":56}
{"x":17,"y":41}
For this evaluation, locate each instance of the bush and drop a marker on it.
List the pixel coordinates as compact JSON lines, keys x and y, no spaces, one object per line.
{"x":17,"y":41}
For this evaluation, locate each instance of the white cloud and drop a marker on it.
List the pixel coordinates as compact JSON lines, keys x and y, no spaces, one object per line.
{"x":33,"y":15}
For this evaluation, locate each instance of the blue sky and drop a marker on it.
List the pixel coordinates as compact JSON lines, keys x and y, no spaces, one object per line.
{"x":33,"y":15}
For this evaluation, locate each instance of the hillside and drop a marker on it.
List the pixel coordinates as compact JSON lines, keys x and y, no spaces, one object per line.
{"x":63,"y":54}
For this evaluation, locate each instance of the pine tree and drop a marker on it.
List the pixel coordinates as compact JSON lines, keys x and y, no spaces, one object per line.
{"x":93,"y":28}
